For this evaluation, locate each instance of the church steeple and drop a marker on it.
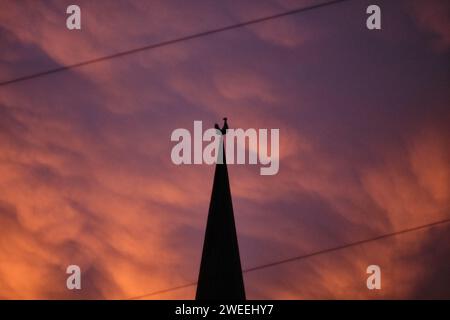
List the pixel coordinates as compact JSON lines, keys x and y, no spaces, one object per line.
{"x":220,"y":274}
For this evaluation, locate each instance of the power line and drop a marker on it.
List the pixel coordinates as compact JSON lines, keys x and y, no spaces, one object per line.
{"x":305,"y":256}
{"x":187,"y":285}
{"x":169,"y":42}
{"x":384,"y":236}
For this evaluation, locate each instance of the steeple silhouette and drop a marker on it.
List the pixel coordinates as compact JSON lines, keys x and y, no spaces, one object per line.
{"x":220,"y":274}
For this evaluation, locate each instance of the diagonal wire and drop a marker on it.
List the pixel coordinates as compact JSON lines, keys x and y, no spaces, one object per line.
{"x":170,"y":42}
{"x":309,"y":255}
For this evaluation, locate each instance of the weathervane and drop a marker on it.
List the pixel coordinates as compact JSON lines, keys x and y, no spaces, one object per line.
{"x":224,"y":128}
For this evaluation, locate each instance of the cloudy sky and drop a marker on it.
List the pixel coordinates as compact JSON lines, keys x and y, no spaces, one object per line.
{"x":86,"y":176}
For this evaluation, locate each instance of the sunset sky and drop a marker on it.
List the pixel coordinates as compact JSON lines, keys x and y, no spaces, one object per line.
{"x":86,"y":176}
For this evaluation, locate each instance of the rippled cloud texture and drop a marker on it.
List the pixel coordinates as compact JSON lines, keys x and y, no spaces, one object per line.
{"x":85,"y":170}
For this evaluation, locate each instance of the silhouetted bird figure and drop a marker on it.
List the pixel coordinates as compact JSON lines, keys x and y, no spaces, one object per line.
{"x":220,"y":274}
{"x":224,"y":128}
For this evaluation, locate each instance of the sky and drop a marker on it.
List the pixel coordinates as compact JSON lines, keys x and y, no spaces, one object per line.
{"x":86,"y":176}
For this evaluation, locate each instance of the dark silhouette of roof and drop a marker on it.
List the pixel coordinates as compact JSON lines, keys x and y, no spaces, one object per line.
{"x":220,"y":275}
